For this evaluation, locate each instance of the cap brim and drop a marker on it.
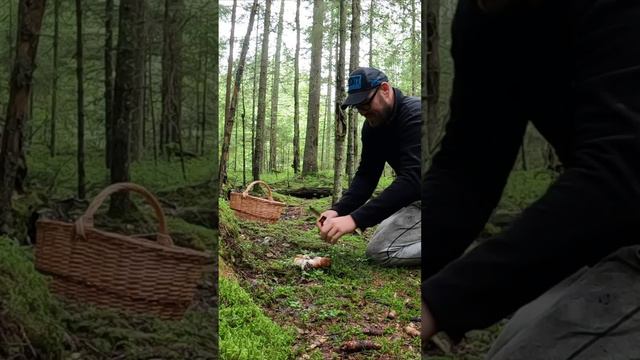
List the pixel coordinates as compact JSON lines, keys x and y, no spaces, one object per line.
{"x":356,"y":98}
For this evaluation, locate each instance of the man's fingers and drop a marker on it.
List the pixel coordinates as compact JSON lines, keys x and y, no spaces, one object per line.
{"x":331,"y":235}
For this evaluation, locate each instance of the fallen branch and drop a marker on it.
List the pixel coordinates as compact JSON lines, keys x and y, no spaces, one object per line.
{"x":360,"y":345}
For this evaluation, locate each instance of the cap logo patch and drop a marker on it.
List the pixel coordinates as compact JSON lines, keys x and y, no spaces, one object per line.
{"x":355,"y":83}
{"x":376,"y":82}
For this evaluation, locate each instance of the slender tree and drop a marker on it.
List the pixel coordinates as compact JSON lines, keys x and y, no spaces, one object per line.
{"x":54,"y":80}
{"x":371,"y":7}
{"x":353,"y":64}
{"x":228,"y":123}
{"x":13,"y":166}
{"x":414,"y":41}
{"x":108,"y":79}
{"x":433,"y":75}
{"x":227,"y":94}
{"x":275,"y":89}
{"x":80,"y":98}
{"x":296,"y":96}
{"x":341,"y":124}
{"x":126,"y":97}
{"x":171,"y":74}
{"x":258,"y":152}
{"x":310,"y":165}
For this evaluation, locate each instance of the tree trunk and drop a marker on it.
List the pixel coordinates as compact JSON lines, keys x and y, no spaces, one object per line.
{"x":414,"y":41}
{"x":325,"y":139}
{"x":227,"y":94}
{"x":80,"y":99}
{"x":341,"y":125}
{"x":172,"y":75}
{"x":203,"y":117}
{"x":13,"y":166}
{"x":371,"y":34}
{"x":274,"y":95}
{"x":258,"y":151}
{"x":296,"y":96}
{"x":353,"y":64}
{"x":136,"y":125}
{"x":108,"y":80}
{"x":244,"y":142}
{"x":126,"y":97}
{"x":310,"y":165}
{"x":424,"y":143}
{"x":253,"y":86}
{"x":54,"y":82}
{"x":228,"y":122}
{"x":152,"y":112}
{"x":433,"y":75}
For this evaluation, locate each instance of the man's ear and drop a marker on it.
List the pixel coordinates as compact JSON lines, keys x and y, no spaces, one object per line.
{"x":385,"y":86}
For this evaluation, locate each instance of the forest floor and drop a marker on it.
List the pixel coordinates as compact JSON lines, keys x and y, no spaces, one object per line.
{"x":36,"y":324}
{"x":312,"y":314}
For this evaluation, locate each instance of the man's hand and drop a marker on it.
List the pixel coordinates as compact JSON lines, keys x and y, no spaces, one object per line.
{"x":328,"y":214}
{"x":427,"y":326}
{"x":335,"y":227}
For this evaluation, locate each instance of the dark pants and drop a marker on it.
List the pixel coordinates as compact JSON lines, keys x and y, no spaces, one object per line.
{"x":571,"y":67}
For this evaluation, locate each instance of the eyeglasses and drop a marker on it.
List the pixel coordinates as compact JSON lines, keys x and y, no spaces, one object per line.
{"x":365,"y":106}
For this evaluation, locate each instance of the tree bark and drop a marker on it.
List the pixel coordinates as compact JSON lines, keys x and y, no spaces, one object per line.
{"x":203,"y":117}
{"x":258,"y":152}
{"x":371,"y":33}
{"x":414,"y":40}
{"x":54,"y":81}
{"x":227,"y":95}
{"x":80,"y":99}
{"x":125,"y":98}
{"x":171,"y":75}
{"x":341,"y":124}
{"x":296,"y":96}
{"x":228,"y":122}
{"x":310,"y":165}
{"x":154,"y":137}
{"x":136,"y":125}
{"x":108,"y":80}
{"x":353,"y":64}
{"x":273,"y":144}
{"x":13,"y":165}
{"x":433,"y":75}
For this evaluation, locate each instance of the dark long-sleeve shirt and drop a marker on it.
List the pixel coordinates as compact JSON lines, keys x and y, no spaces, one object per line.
{"x":573,"y":69}
{"x":396,"y":142}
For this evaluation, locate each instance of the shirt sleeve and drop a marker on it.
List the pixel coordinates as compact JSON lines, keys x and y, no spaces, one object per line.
{"x":365,"y":179}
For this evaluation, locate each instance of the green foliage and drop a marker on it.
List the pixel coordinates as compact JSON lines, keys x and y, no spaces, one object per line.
{"x":28,"y":313}
{"x":245,"y":331}
{"x":104,"y":333}
{"x":58,"y":175}
{"x":341,"y":300}
{"x":524,"y":187}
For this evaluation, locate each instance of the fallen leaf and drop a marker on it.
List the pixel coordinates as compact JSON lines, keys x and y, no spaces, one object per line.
{"x":372,"y":331}
{"x":360,"y":345}
{"x":391,"y":314}
{"x":319,"y":341}
{"x":412,"y":330}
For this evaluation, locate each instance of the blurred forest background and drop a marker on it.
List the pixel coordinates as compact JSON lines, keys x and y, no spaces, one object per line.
{"x":93,"y":93}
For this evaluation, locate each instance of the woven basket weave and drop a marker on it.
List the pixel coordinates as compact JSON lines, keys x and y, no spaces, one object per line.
{"x":254,"y":208}
{"x":119,"y":271}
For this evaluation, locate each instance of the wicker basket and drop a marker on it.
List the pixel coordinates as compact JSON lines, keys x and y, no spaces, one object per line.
{"x":119,"y":271}
{"x":250,"y":207}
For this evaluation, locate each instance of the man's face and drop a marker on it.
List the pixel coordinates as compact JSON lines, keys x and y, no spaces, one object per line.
{"x":378,"y":108}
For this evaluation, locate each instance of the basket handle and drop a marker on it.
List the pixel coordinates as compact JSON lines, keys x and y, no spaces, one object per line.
{"x":86,"y":220}
{"x":264,"y":185}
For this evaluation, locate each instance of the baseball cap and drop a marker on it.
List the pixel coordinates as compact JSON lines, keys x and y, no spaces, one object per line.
{"x":362,"y":82}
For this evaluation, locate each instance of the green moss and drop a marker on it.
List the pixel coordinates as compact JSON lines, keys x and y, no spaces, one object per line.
{"x":26,"y":303}
{"x":245,"y":332}
{"x":193,"y":236}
